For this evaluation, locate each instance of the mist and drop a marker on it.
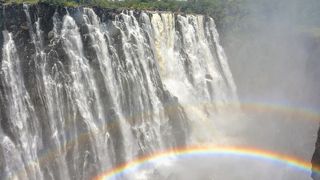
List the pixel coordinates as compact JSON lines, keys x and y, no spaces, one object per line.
{"x":85,"y":91}
{"x":273,"y":53}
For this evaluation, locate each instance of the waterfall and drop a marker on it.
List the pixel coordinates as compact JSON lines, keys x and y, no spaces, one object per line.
{"x":86,"y":91}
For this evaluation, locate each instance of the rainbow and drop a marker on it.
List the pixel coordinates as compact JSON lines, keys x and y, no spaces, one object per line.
{"x":302,"y":113}
{"x":210,"y":150}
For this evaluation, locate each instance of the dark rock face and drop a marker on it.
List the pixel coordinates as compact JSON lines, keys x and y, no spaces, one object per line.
{"x":46,"y":67}
{"x":313,"y":47}
{"x":316,"y":159}
{"x":83,"y":90}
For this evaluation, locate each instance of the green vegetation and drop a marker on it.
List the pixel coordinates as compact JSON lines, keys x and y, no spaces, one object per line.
{"x":20,"y":1}
{"x":235,"y":14}
{"x":219,"y":9}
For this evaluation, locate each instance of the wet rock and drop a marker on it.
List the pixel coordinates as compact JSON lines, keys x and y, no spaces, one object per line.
{"x":208,"y":77}
{"x":50,"y":35}
{"x":316,"y":160}
{"x":24,"y":27}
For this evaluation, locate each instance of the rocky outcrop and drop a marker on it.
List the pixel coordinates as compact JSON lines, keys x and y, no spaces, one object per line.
{"x":316,"y":159}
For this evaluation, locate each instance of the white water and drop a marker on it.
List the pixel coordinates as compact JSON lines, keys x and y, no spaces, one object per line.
{"x":98,"y":94}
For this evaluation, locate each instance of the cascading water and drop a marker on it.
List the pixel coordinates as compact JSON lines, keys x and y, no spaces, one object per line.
{"x":85,"y":92}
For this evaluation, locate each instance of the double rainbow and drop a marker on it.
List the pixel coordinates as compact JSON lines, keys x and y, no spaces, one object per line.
{"x":211,"y":150}
{"x":303,"y":113}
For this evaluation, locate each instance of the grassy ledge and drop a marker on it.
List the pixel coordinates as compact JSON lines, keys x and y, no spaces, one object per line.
{"x":219,"y":9}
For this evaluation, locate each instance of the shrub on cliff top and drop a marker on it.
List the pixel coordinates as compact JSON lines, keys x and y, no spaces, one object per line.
{"x":219,"y":9}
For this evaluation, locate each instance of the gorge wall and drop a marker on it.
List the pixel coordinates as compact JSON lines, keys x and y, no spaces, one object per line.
{"x":85,"y":89}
